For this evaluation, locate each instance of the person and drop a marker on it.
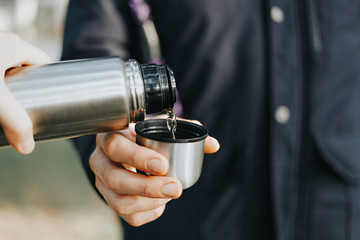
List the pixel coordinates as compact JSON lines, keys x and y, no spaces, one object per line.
{"x":276,"y":82}
{"x":14,"y":120}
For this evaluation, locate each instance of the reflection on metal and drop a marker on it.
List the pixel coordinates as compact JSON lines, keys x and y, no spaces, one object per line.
{"x":74,"y":98}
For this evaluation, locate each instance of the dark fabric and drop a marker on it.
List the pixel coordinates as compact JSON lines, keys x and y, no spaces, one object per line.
{"x":234,"y":66}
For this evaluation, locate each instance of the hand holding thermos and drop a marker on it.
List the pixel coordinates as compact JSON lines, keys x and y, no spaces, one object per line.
{"x":15,"y":121}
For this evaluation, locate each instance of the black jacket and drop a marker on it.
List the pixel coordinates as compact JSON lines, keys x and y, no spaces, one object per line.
{"x":282,"y":173}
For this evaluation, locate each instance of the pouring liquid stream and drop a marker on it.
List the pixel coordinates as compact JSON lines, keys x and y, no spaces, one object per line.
{"x":171,"y":122}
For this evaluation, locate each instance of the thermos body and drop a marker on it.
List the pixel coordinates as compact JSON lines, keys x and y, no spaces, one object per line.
{"x":75,"y":98}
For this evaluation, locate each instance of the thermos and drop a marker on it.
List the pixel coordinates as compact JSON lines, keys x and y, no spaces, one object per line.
{"x":74,"y":98}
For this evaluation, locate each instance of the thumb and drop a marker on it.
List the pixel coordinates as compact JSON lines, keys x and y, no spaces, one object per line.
{"x":16,"y":122}
{"x":211,"y":145}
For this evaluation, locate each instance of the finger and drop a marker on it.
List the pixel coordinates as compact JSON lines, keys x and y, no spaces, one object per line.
{"x":142,"y":218}
{"x":120,"y":149}
{"x":16,"y":123}
{"x":129,"y":133}
{"x":211,"y":145}
{"x":128,"y":204}
{"x":125,"y":182}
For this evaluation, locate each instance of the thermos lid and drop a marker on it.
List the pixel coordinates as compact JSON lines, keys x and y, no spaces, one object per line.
{"x":160,"y":87}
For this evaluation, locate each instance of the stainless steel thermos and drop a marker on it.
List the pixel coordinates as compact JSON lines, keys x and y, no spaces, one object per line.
{"x":74,"y":98}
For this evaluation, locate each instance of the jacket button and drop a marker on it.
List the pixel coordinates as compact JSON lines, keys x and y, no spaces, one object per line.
{"x":282,"y":114}
{"x":277,"y":15}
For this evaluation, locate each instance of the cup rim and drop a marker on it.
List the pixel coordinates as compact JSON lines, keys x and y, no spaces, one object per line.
{"x":153,"y":124}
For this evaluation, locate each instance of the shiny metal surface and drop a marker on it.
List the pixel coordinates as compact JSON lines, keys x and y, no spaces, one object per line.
{"x":185,"y":157}
{"x":74,"y":98}
{"x":136,"y":90}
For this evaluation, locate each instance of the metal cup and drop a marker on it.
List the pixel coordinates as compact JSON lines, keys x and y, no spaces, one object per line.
{"x":185,"y":153}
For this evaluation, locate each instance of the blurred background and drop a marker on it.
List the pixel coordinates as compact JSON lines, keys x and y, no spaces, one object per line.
{"x":46,"y":195}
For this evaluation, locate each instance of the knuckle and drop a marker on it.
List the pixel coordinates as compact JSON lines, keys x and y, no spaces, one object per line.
{"x":126,"y":205}
{"x":110,"y":144}
{"x":135,"y":221}
{"x":122,"y":210}
{"x":100,"y":138}
{"x":92,"y":161}
{"x":158,"y":212}
{"x":146,"y":189}
{"x":111,"y":180}
{"x":98,"y":184}
{"x":158,"y":203}
{"x":137,"y":159}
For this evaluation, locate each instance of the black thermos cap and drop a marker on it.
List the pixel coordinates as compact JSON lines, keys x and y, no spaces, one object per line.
{"x":160,"y":87}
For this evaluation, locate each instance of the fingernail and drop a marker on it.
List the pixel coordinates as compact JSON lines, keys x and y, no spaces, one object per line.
{"x":155,"y":165}
{"x":170,"y":190}
{"x":27,"y":146}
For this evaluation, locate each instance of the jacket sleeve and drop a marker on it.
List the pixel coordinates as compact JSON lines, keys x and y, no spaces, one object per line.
{"x":97,"y":28}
